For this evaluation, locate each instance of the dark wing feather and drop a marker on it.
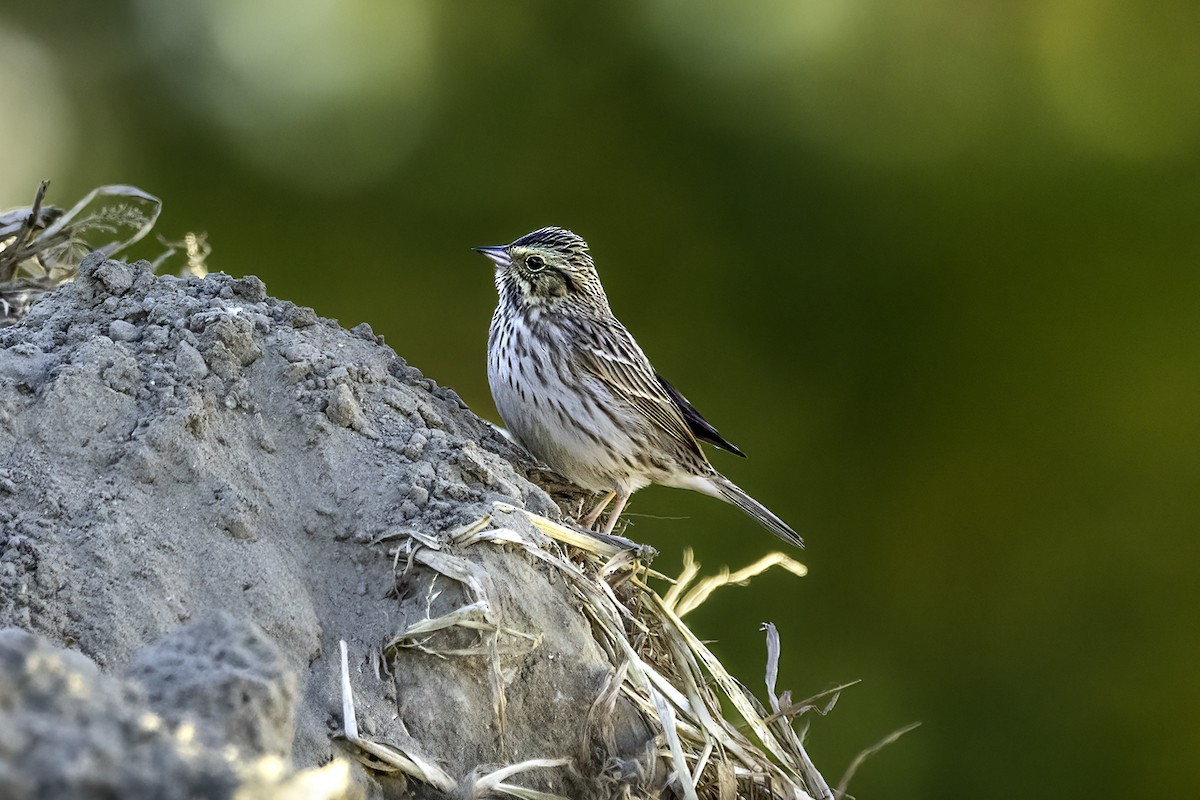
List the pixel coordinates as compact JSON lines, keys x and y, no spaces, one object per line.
{"x":624,"y":368}
{"x":700,"y":427}
{"x":635,"y":385}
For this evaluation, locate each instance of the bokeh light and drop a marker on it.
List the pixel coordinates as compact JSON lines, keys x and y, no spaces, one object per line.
{"x":326,"y":95}
{"x":37,"y":133}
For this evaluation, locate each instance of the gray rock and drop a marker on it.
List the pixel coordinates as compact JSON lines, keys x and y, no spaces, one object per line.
{"x":226,"y":676}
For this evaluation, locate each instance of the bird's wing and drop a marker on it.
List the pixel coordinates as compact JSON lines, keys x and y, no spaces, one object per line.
{"x":625,"y":370}
{"x":701,"y":428}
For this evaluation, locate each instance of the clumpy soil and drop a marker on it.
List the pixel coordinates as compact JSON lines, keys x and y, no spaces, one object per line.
{"x":202,"y":490}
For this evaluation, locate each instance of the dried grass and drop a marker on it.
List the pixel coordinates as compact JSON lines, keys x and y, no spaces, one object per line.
{"x":658,"y":664}
{"x":41,"y":246}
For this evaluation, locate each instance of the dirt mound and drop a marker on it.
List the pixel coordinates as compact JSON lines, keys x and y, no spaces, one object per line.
{"x":204,"y":489}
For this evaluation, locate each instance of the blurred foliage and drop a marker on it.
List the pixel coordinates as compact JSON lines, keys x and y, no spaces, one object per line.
{"x":932,"y":264}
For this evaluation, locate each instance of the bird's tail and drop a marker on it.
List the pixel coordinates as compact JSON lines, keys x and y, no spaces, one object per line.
{"x":730,"y":492}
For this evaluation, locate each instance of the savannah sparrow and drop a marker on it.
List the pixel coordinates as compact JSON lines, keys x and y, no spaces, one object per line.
{"x":575,"y":389}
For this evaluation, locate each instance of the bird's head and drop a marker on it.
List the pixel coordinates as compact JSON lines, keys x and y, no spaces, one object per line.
{"x":546,"y":269}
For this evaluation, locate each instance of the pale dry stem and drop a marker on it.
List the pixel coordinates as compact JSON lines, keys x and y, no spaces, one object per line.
{"x":658,"y":664}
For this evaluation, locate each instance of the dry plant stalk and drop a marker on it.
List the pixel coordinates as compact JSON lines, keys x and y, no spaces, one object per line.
{"x":41,"y":247}
{"x":675,"y":682}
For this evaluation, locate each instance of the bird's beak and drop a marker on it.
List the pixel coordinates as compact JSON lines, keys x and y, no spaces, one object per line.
{"x":498,"y":255}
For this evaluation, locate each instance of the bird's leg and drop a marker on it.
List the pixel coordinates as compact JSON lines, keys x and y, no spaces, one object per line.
{"x":590,"y":520}
{"x":615,"y":513}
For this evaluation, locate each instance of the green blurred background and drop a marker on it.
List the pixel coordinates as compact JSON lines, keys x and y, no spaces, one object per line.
{"x":932,"y":264}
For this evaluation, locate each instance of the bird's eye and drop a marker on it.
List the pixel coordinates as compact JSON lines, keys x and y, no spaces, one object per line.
{"x":535,"y":263}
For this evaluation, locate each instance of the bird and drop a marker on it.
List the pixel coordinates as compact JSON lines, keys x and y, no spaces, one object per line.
{"x":574,"y":388}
